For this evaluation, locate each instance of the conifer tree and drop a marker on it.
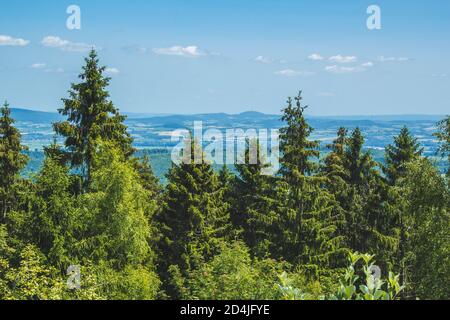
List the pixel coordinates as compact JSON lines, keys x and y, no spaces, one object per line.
{"x":405,"y":149}
{"x":359,"y":163}
{"x":298,"y":151}
{"x":336,"y":176}
{"x":308,"y":218}
{"x":50,"y":221}
{"x":226,"y":178}
{"x":90,"y":116}
{"x":444,"y":137}
{"x":425,"y":248}
{"x":253,"y":204}
{"x":194,"y":220}
{"x":55,"y":152}
{"x":370,"y":224}
{"x":148,"y":179}
{"x":333,"y":167}
{"x":12,"y":159}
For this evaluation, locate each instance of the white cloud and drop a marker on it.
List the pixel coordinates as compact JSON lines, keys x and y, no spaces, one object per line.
{"x":293,"y":73}
{"x":386,"y":59}
{"x":43,"y":66}
{"x":315,"y":57}
{"x":367,"y":64}
{"x":112,"y":70}
{"x":14,"y":42}
{"x":65,"y":45}
{"x":343,"y":59}
{"x":38,"y":65}
{"x":341,"y":70}
{"x":189,"y":51}
{"x":392,"y":59}
{"x":263,"y":59}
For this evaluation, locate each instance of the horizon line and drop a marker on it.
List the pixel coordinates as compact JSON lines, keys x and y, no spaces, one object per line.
{"x":156,"y":114}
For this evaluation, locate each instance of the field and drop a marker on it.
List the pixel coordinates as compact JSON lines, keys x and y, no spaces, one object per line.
{"x":152,"y":134}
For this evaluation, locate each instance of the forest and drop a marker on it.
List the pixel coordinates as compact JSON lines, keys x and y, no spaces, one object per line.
{"x":339,"y":227}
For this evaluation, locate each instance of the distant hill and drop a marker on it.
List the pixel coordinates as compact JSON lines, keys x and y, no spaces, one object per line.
{"x":24,"y":115}
{"x":153,"y":132}
{"x":396,"y":117}
{"x":218,"y":120}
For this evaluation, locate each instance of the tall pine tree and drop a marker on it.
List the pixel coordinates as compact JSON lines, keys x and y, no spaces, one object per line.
{"x":405,"y":149}
{"x":308,"y":219}
{"x":91,"y":116}
{"x":370,"y":223}
{"x":333,"y":165}
{"x":12,"y":159}
{"x":194,"y":220}
{"x":444,"y":137}
{"x":253,"y":203}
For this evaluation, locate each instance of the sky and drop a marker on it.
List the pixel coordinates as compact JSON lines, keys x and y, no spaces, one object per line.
{"x":209,"y":56}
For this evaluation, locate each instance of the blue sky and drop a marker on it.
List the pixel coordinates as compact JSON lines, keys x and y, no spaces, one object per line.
{"x":203,"y":56}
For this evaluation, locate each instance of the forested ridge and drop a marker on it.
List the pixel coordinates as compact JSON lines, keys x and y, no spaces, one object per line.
{"x":316,"y":230}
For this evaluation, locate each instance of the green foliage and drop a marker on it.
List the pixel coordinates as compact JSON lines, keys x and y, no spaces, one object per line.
{"x":443,"y":136}
{"x":367,"y":287}
{"x":117,"y":212}
{"x":148,"y":179}
{"x":363,"y":196}
{"x":194,"y":220}
{"x":405,"y":149}
{"x":12,"y":161}
{"x":91,"y":116}
{"x":333,"y":168}
{"x":253,"y":202}
{"x":51,"y":218}
{"x":308,"y":214}
{"x":425,"y":249}
{"x":32,"y":279}
{"x":205,"y":235}
{"x":234,"y":275}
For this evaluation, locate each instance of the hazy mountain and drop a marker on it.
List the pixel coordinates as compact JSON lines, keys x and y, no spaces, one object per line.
{"x":24,"y":115}
{"x":153,"y":132}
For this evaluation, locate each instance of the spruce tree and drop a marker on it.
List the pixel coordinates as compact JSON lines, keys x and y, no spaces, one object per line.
{"x":194,"y":220}
{"x":336,"y":176}
{"x":333,"y":165}
{"x":91,"y":116}
{"x":253,"y":204}
{"x":370,"y":222}
{"x":308,"y":217}
{"x":226,"y":178}
{"x":359,"y":163}
{"x":298,"y":151}
{"x":12,"y":160}
{"x":405,"y":149}
{"x":424,"y":255}
{"x":50,"y":221}
{"x":443,"y":136}
{"x":148,"y":179}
